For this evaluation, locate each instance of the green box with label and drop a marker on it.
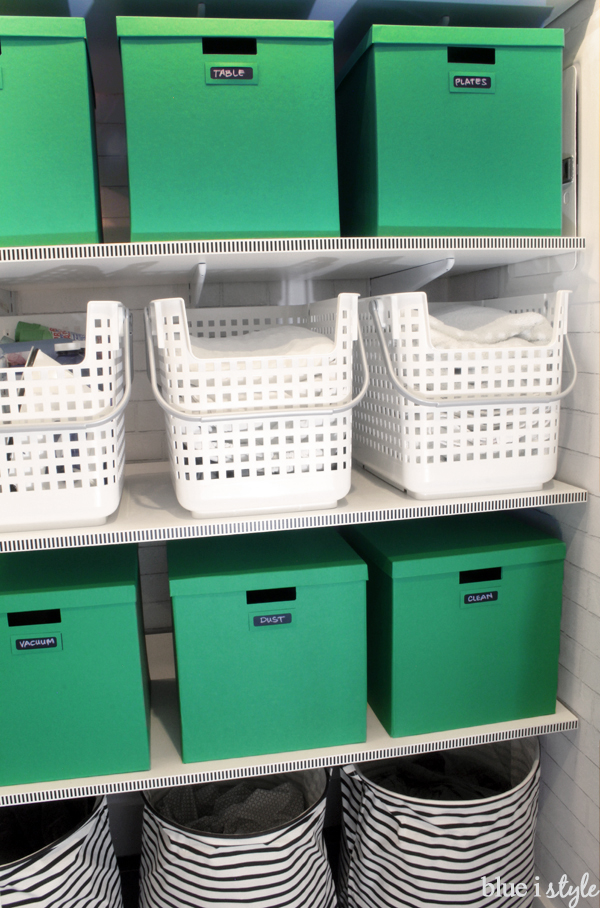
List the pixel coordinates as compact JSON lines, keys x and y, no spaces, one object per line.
{"x":73,"y":669}
{"x":463,"y":621}
{"x":49,"y":185}
{"x":230,"y":127}
{"x":451,"y":131}
{"x":270,"y":643}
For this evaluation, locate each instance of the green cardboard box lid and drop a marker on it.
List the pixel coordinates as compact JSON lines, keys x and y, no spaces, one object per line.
{"x":441,"y":545}
{"x":454,"y":37}
{"x":289,"y":558}
{"x":68,"y":578}
{"x":164,"y":27}
{"x":465,"y":37}
{"x":41,"y":27}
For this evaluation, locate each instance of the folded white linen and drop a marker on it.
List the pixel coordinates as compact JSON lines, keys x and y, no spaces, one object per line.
{"x":505,"y":329}
{"x":279,"y":340}
{"x":466,"y":316}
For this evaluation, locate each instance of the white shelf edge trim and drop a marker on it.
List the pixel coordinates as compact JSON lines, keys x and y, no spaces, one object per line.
{"x":505,"y":731}
{"x":308,"y":244}
{"x":59,"y":539}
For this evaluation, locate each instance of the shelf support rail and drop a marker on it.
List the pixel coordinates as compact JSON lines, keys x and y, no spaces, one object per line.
{"x":196,"y":284}
{"x":410,"y":278}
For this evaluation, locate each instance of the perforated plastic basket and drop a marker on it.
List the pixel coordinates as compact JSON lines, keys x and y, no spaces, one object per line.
{"x":62,"y":440}
{"x":440,"y":422}
{"x":255,"y":433}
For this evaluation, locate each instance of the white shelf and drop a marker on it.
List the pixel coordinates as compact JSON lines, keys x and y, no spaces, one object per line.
{"x":149,"y":511}
{"x":268,"y":259}
{"x":167,"y":768}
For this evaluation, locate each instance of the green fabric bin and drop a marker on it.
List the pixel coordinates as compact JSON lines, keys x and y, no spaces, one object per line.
{"x":230,"y":127}
{"x":73,"y":670}
{"x":452,"y":131}
{"x":463,"y":621}
{"x":49,"y":184}
{"x":270,"y":643}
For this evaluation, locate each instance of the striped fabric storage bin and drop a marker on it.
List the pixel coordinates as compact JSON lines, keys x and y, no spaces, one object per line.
{"x":286,"y":866}
{"x":80,"y":869}
{"x":405,"y":852}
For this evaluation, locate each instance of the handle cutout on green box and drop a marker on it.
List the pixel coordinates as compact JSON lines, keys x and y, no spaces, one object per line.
{"x":481,"y":575}
{"x":475,"y":55}
{"x":39,"y":616}
{"x":229,"y":47}
{"x":281,"y":594}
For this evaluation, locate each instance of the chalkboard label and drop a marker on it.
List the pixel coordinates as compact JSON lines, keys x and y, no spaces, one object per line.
{"x":472,"y":82}
{"x":272,"y":620}
{"x":232,"y":73}
{"x":28,"y":643}
{"x":476,"y":598}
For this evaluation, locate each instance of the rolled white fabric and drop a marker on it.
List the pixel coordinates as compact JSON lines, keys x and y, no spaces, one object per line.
{"x":466,"y":316}
{"x":279,"y":340}
{"x":449,"y":330}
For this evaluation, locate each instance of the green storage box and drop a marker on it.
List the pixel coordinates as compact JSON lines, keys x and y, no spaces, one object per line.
{"x":270,"y":643}
{"x":230,"y":127}
{"x":73,"y":665}
{"x":463,"y":621}
{"x":49,"y":185}
{"x":452,"y":131}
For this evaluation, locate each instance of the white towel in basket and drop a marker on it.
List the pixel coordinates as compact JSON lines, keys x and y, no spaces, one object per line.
{"x":279,"y":340}
{"x":482,"y":326}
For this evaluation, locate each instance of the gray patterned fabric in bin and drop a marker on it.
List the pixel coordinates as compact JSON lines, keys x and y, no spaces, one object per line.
{"x":237,"y":808}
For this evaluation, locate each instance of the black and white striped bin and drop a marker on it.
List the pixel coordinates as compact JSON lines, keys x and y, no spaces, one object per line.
{"x":400,"y":851}
{"x":283,"y":866}
{"x":78,"y":869}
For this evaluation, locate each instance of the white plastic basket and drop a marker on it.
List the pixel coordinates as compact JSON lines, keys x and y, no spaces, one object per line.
{"x":439,"y":422}
{"x":62,"y":439}
{"x":255,"y":434}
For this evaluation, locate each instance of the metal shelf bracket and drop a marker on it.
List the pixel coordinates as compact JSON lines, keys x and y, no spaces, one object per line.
{"x":411,"y":278}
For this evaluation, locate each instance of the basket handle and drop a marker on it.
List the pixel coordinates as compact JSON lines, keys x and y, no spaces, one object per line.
{"x":226,"y":416}
{"x":98,"y":419}
{"x":444,"y":402}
